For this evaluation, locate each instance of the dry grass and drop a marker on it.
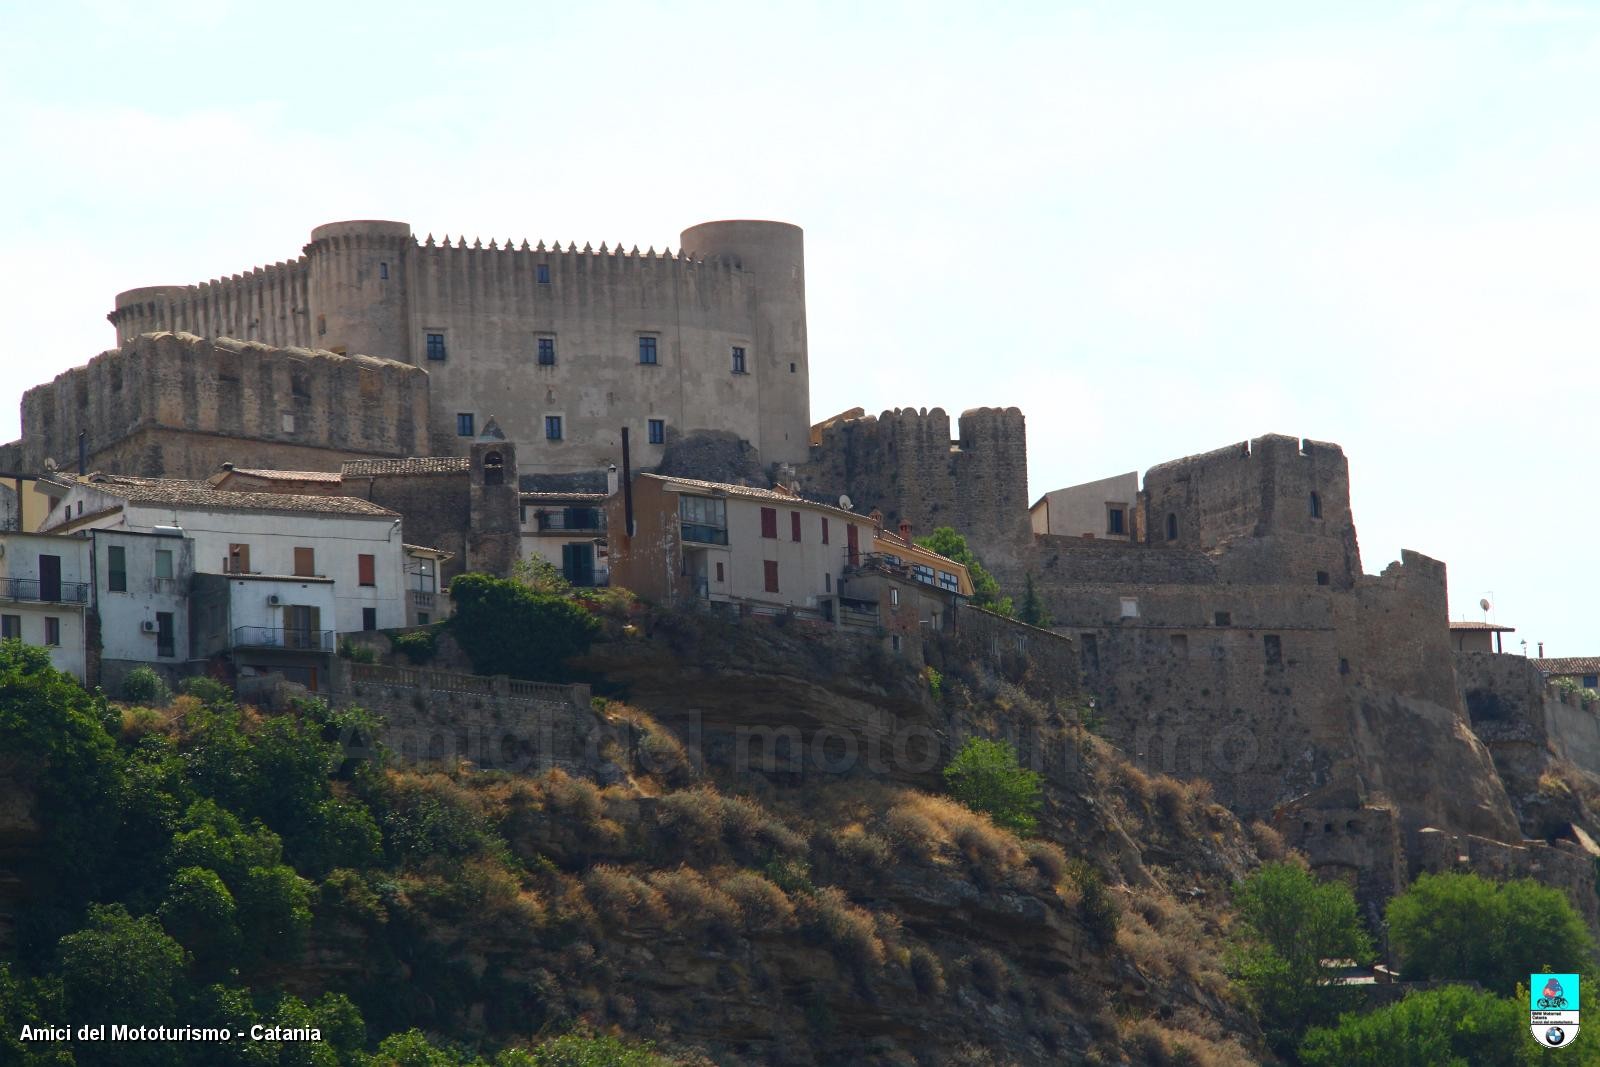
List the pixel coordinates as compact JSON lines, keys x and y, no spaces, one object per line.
{"x":1048,"y":859}
{"x":927,"y":972}
{"x":862,"y":849}
{"x":940,"y":830}
{"x":764,"y":907}
{"x":1161,"y":1045}
{"x":695,"y":903}
{"x":1269,"y":843}
{"x":615,"y":892}
{"x":845,"y":928}
{"x":991,"y":974}
{"x":141,"y":722}
{"x":1166,"y":938}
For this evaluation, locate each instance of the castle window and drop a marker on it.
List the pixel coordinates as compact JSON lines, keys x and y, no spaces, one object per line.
{"x":791,"y":368}
{"x":769,"y":569}
{"x":464,"y":424}
{"x":657,"y":429}
{"x":552,"y":427}
{"x":894,"y":598}
{"x":1272,"y":646}
{"x":1180,"y":645}
{"x":1316,"y":506}
{"x":738,"y":360}
{"x":719,"y":572}
{"x":1116,"y":520}
{"x":542,"y":273}
{"x":1344,"y":666}
{"x":1322,"y":577}
{"x":436,"y":346}
{"x":1172,"y":526}
{"x":547,"y":351}
{"x":1223,"y":618}
{"x":383,"y":271}
{"x":647,"y":349}
{"x":769,"y":523}
{"x":494,"y":469}
{"x":827,"y":583}
{"x":1130,"y":607}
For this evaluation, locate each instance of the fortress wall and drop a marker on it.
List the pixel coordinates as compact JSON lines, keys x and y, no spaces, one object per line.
{"x":1524,"y":720}
{"x":270,"y":305}
{"x":175,"y":405}
{"x":492,"y":309}
{"x":1259,"y":487}
{"x":905,"y":464}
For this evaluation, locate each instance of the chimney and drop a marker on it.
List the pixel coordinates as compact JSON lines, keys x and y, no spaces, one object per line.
{"x":905,"y":531}
{"x":877,"y":519}
{"x":1541,"y":650}
{"x":611,"y":480}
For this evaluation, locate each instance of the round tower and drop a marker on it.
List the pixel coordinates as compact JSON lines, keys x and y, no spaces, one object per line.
{"x":773,"y":253}
{"x":358,"y":287}
{"x":144,"y":310}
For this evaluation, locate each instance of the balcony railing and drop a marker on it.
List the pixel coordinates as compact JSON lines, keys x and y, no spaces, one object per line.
{"x":32,"y":589}
{"x":421,"y":599}
{"x":290,"y":638}
{"x":705,"y":535}
{"x":575,"y":519}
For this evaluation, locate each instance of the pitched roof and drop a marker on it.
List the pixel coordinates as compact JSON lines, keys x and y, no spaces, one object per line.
{"x":367,"y":468}
{"x":185,"y":493}
{"x":288,"y":476}
{"x":1569,"y":665}
{"x":1492,"y":627}
{"x":751,"y":491}
{"x":563,"y":496}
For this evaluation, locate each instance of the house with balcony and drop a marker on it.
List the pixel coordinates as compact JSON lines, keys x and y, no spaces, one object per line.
{"x":354,"y":547}
{"x":427,"y":599}
{"x":44,"y":596}
{"x":253,"y":624}
{"x":733,"y":547}
{"x":140,"y":602}
{"x":1582,"y":671}
{"x":903,"y":588}
{"x":568,"y":531}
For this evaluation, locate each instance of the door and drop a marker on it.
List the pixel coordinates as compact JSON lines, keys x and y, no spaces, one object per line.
{"x":577,"y":564}
{"x":50,"y":578}
{"x":165,"y":635}
{"x":852,"y":536}
{"x":302,"y":625}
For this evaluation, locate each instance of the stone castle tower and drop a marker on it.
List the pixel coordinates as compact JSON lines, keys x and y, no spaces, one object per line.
{"x":565,"y":346}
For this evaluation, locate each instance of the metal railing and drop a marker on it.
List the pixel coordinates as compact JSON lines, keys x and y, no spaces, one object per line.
{"x":33,"y":589}
{"x":291,"y":638}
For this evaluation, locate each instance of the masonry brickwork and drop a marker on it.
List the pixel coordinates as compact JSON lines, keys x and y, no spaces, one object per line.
{"x":175,"y":405}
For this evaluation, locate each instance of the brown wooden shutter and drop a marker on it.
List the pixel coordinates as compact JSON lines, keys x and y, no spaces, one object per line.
{"x":368,"y":566}
{"x":305,"y":563}
{"x":769,"y":523}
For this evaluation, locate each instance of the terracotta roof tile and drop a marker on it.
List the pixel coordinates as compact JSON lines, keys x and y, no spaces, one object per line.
{"x":755,"y":493}
{"x":367,"y":468}
{"x":1569,"y":665}
{"x":191,"y":494}
{"x":289,"y":476}
{"x":1493,"y":627}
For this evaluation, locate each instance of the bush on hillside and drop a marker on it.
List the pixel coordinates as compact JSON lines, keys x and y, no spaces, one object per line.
{"x":507,"y":628}
{"x":986,"y":777}
{"x":143,"y":685}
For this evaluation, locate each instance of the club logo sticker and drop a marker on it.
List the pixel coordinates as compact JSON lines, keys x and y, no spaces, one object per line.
{"x":1553,"y":1008}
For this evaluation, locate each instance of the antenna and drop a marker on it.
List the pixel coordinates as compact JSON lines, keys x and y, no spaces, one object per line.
{"x":844,"y":502}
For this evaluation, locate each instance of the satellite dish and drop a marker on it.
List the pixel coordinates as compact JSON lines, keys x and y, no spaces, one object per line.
{"x":844,"y":502}
{"x":1484,"y":603}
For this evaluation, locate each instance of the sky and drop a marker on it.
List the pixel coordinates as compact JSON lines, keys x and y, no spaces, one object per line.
{"x":1156,"y":228}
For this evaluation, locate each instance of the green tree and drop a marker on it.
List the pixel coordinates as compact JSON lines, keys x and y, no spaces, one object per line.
{"x":1033,"y":611}
{"x":1466,"y":927}
{"x":121,"y":969}
{"x":985,"y":590}
{"x":507,"y":628}
{"x":199,"y":912}
{"x":1292,"y":926}
{"x":1455,"y":1026}
{"x":986,"y":777}
{"x":582,"y":1050}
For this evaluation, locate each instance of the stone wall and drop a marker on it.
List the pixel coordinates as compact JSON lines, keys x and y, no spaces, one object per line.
{"x":175,"y":405}
{"x":905,"y":464}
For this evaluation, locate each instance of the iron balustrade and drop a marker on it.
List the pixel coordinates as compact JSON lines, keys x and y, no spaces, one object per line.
{"x":33,"y":589}
{"x":290,"y":638}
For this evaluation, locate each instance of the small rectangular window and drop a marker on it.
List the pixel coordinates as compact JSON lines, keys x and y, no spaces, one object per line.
{"x":1322,"y":577}
{"x":464,"y":424}
{"x":824,"y":529}
{"x":794,"y":526}
{"x":542,"y":272}
{"x":367,"y":569}
{"x":164,"y":563}
{"x":894,"y":598}
{"x":436,"y":346}
{"x":369,"y":618}
{"x":719,"y":571}
{"x":738,"y":359}
{"x":1272,"y":646}
{"x":52,"y":631}
{"x":827,"y":583}
{"x":117,"y":569}
{"x":647,"y":349}
{"x":383,"y":271}
{"x":769,"y":523}
{"x":658,"y":431}
{"x":1180,"y":645}
{"x":1130,"y":607}
{"x":1115,"y":520}
{"x":770,"y":571}
{"x":547,"y":351}
{"x":552,"y":427}
{"x":1591,"y":681}
{"x":1223,"y":618}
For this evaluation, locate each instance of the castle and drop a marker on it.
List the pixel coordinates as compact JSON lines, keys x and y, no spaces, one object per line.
{"x":561,"y":346}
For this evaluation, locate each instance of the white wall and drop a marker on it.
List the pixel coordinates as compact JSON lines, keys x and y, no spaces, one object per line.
{"x":20,"y":560}
{"x":1081,"y":509}
{"x":801,"y":565}
{"x":123,"y":614}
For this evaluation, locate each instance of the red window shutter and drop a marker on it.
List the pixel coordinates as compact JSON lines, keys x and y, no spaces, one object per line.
{"x":769,"y":523}
{"x":794,"y":526}
{"x":368,"y":567}
{"x":771,"y":566}
{"x":853,"y":549}
{"x":824,"y":529}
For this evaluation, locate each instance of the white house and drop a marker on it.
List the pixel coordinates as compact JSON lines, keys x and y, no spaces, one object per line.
{"x":266,"y":624}
{"x":141,"y":601}
{"x":568,"y":531}
{"x":44,"y":595}
{"x":353,"y":544}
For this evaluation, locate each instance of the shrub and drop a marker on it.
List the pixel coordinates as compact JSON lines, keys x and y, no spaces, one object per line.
{"x":417,"y":646}
{"x":1048,"y":859}
{"x":1452,"y":1026}
{"x":1096,"y":908}
{"x":986,"y":777}
{"x":357,"y":653}
{"x":849,"y":931}
{"x":207,"y":690}
{"x":143,"y":685}
{"x":990,"y":972}
{"x":764,"y":906}
{"x":1440,"y":926}
{"x":506,"y":628}
{"x":1292,"y":925}
{"x":927,"y":972}
{"x":694,"y":902}
{"x":583,"y":1050}
{"x":119,"y":967}
{"x":615,"y":892}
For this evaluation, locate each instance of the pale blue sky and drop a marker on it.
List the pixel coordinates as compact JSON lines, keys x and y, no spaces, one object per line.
{"x":1156,"y":228}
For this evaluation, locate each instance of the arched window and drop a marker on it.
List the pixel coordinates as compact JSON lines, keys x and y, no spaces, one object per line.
{"x":1316,"y":506}
{"x":1172,"y":526}
{"x":494,"y":471}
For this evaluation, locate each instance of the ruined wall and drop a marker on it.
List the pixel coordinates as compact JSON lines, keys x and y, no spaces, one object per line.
{"x":174,"y":405}
{"x":905,"y":464}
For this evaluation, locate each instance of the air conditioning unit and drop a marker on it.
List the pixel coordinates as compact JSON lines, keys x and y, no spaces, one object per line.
{"x":148,"y":626}
{"x":274,"y":600}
